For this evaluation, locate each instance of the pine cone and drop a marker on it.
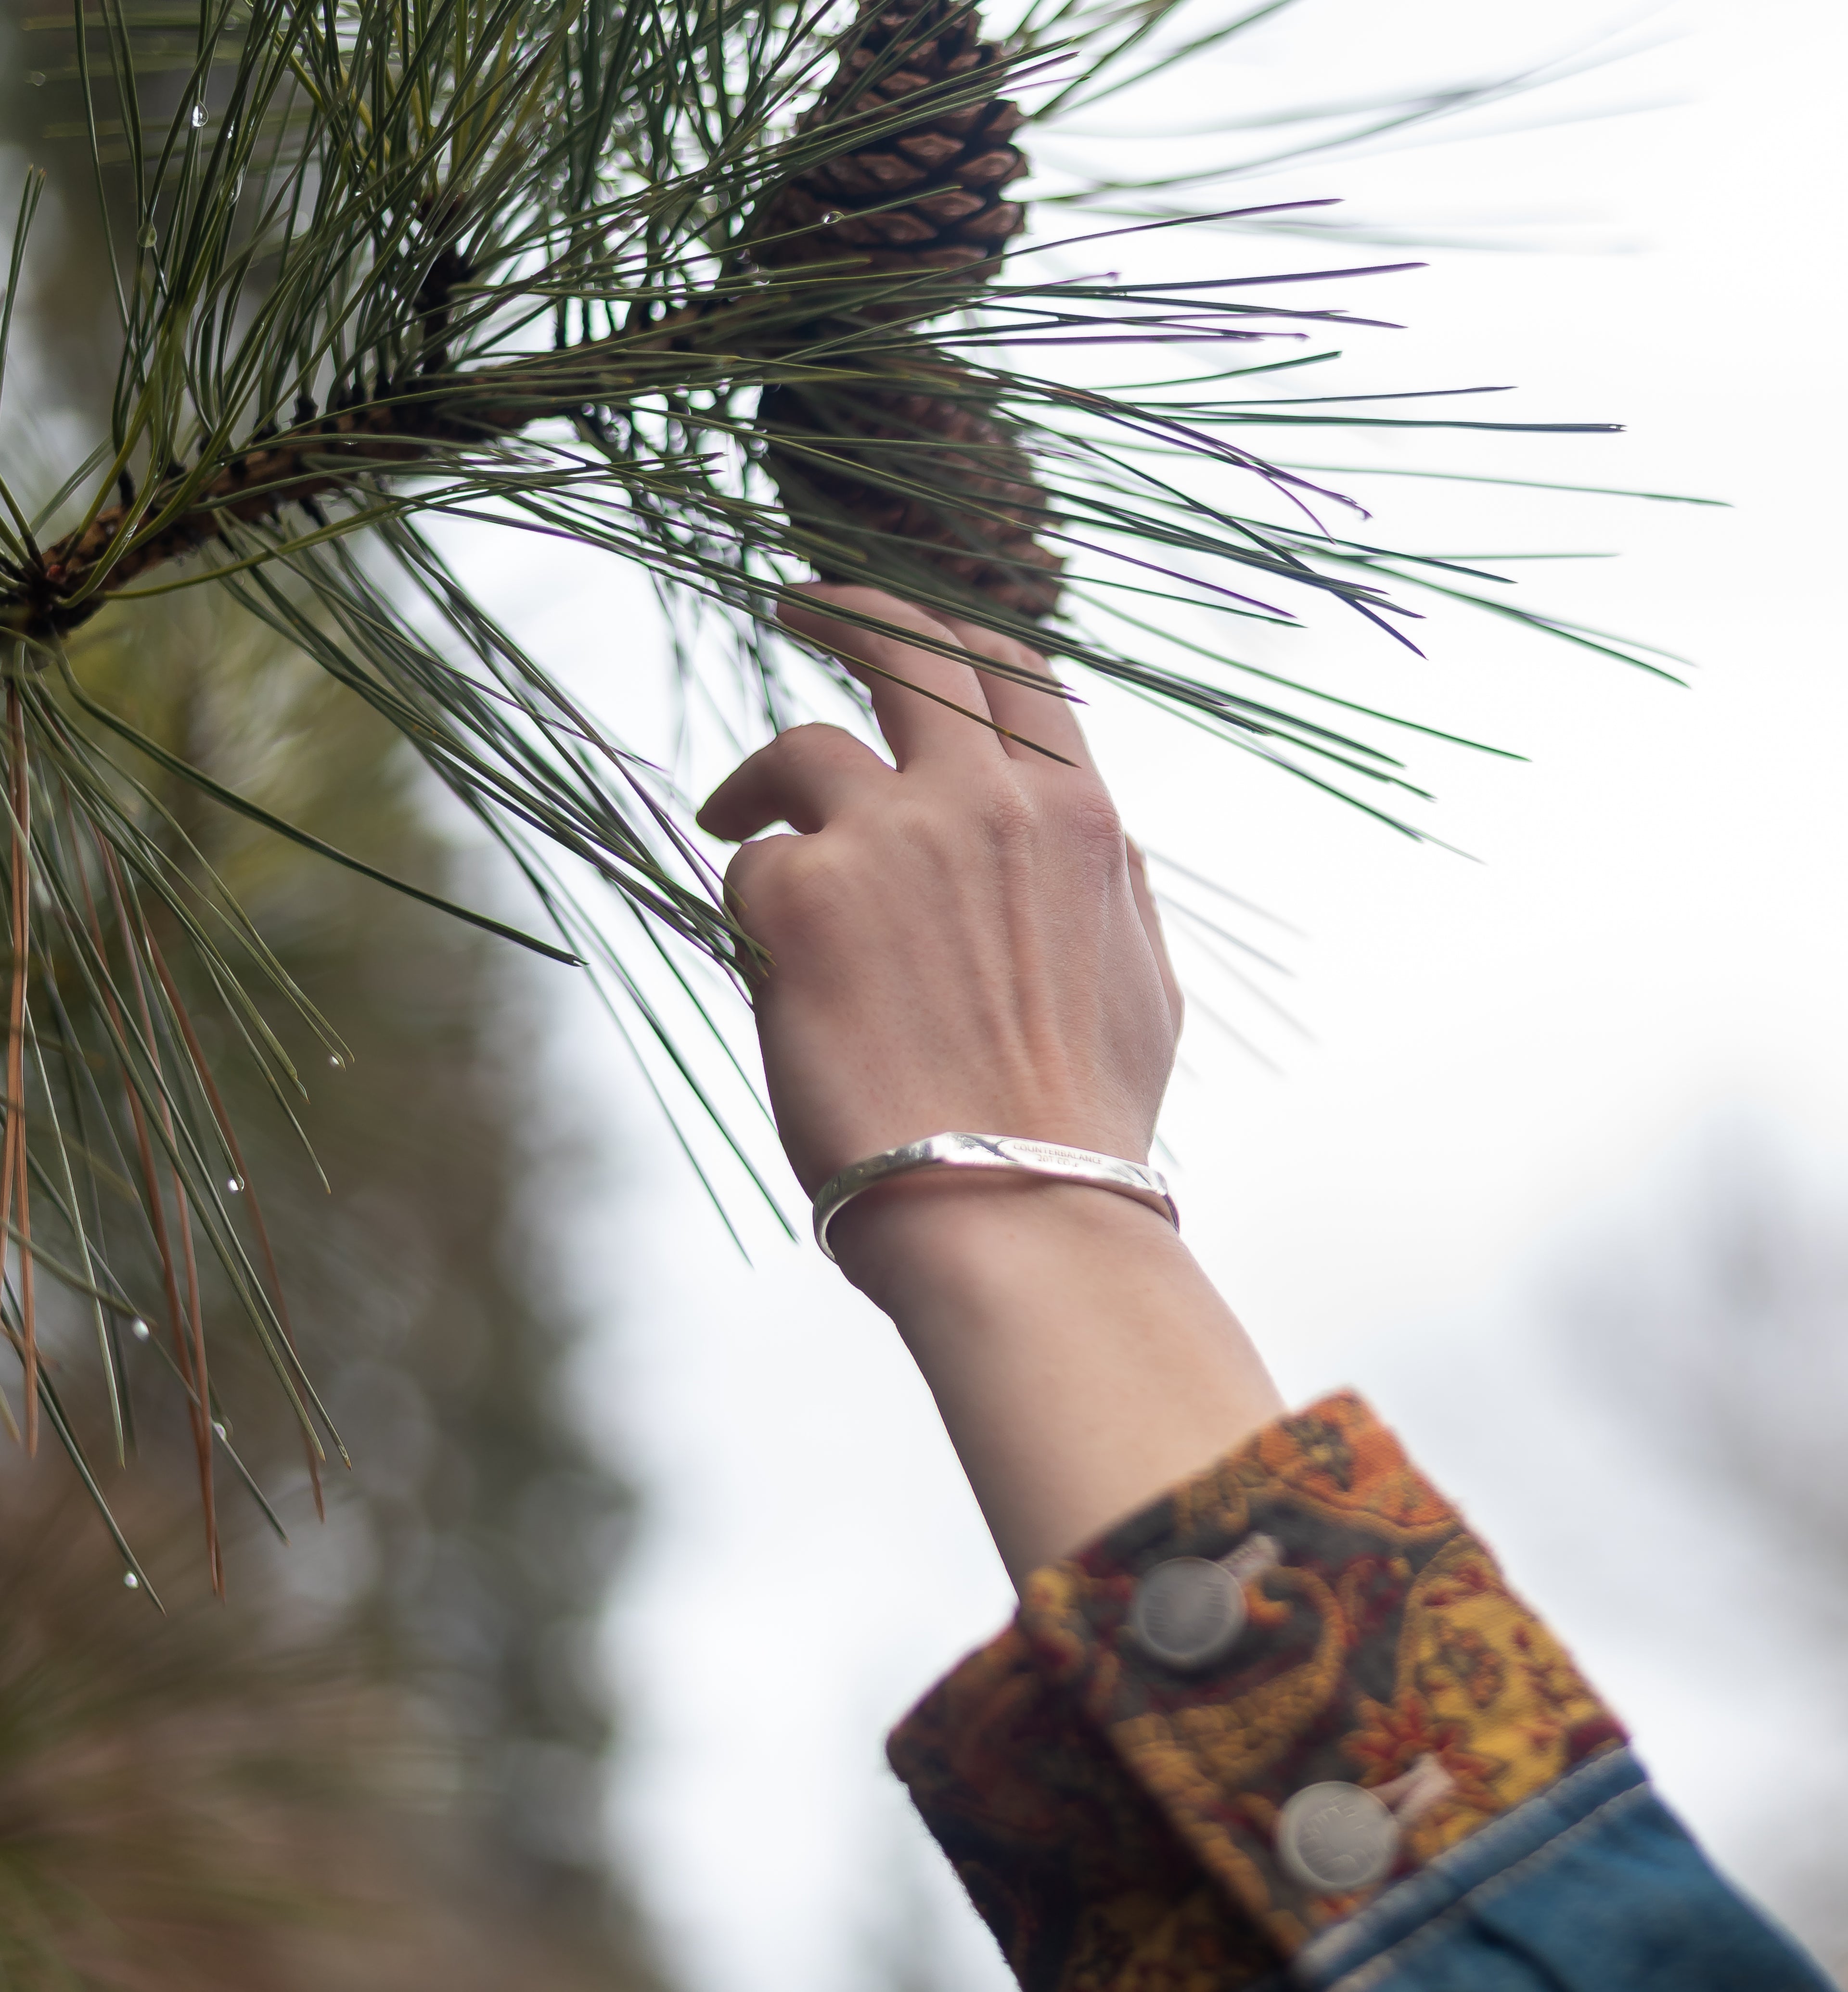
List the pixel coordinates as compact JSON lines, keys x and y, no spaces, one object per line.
{"x":952,"y":165}
{"x":978,"y":533}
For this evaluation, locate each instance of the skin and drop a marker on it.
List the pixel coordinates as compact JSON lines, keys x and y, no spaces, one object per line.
{"x":966,"y":940}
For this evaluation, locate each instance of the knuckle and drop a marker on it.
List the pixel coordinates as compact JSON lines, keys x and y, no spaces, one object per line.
{"x":1015,"y":811}
{"x":1009,"y":816}
{"x":1095,"y":824}
{"x":802,"y":890}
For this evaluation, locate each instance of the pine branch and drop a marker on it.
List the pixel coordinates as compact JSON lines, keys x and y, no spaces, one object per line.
{"x":398,"y":431}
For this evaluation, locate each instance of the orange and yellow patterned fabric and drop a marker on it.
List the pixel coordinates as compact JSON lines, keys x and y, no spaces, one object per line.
{"x":1115,"y":1821}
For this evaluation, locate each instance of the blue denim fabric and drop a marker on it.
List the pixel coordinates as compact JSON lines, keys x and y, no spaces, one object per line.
{"x":1594,"y":1886}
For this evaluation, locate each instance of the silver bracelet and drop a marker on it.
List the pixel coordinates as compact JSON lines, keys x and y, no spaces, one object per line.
{"x":992,"y":1151}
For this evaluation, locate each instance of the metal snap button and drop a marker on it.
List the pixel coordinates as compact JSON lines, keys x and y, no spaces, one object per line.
{"x":1336,"y":1837}
{"x":1188,"y":1613}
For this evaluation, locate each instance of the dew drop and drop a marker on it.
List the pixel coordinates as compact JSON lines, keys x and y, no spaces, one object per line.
{"x":218,"y":1429}
{"x":338,"y":1062}
{"x":138,"y":1329}
{"x":131,"y":1582}
{"x":149,"y":235}
{"x":196,"y":116}
{"x":831,"y":218}
{"x":37,"y":79}
{"x":233,"y":1184}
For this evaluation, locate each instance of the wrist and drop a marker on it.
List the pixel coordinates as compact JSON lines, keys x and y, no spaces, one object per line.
{"x":950,"y":1236}
{"x":1081,"y":1358}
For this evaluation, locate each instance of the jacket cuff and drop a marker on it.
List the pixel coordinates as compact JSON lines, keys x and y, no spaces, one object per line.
{"x":1300,"y":1668}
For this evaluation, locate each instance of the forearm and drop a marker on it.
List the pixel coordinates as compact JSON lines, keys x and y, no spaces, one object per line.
{"x":1081,"y":1358}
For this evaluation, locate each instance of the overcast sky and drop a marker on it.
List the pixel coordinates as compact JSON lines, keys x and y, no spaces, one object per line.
{"x":1511,"y":1052}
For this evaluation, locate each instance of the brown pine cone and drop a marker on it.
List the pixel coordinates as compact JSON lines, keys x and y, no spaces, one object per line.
{"x":978,"y":535}
{"x":950,"y":167}
{"x":923,"y":198}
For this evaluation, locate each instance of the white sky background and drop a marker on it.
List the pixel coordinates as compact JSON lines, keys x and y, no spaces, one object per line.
{"x":1507,"y":1052}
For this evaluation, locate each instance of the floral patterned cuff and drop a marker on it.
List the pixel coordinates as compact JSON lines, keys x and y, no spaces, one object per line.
{"x":1241,"y":1714}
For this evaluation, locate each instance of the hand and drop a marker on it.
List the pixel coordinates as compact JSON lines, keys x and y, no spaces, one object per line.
{"x":964,"y":941}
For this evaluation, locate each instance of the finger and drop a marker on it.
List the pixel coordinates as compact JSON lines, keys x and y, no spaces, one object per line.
{"x":802,"y":778}
{"x":928,"y":705}
{"x":1037,"y":717}
{"x":1151,"y":920}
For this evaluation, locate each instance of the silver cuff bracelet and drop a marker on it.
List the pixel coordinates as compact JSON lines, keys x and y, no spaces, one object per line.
{"x":992,"y":1151}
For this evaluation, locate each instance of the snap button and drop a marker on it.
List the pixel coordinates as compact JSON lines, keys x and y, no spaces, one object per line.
{"x":1336,"y":1837}
{"x":1187,"y":1613}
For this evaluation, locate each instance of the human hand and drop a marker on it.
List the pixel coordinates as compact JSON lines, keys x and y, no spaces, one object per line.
{"x":964,"y":941}
{"x":967,"y":942}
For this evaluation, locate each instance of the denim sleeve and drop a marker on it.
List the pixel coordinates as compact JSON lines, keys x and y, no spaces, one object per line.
{"x":1594,"y":1886}
{"x":1289,"y":1727}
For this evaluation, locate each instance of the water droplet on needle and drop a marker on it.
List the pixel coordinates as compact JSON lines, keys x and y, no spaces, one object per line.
{"x":138,"y":1329}
{"x":132,"y":1581}
{"x":196,"y":116}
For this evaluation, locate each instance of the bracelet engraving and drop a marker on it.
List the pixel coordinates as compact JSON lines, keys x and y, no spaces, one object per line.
{"x":992,"y":1151}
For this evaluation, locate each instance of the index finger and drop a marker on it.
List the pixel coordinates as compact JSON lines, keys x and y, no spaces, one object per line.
{"x":928,"y":706}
